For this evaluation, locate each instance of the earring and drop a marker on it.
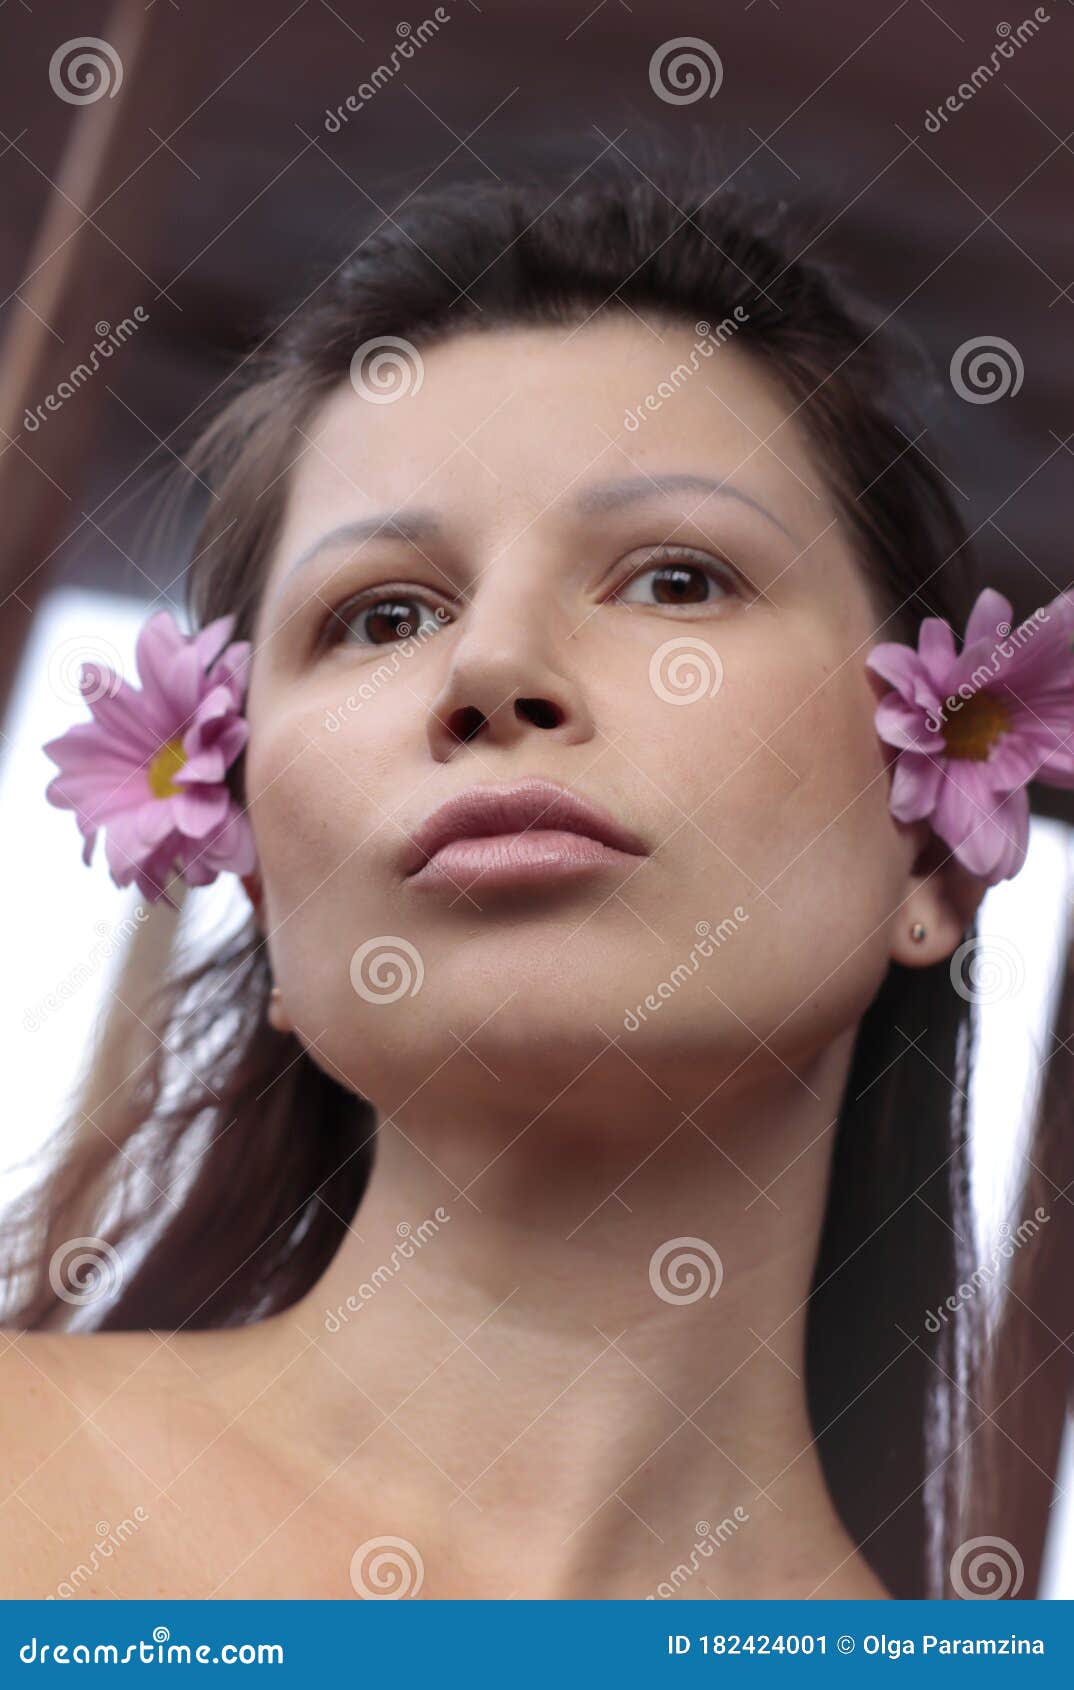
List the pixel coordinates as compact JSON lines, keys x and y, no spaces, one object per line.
{"x":918,"y":930}
{"x":275,"y":994}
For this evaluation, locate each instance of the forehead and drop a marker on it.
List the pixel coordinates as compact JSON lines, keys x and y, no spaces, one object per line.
{"x":510,"y":420}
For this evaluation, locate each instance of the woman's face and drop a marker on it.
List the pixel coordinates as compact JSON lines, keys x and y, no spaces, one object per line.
{"x":625,"y":524}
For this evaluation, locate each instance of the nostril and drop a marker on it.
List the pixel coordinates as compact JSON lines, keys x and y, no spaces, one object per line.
{"x":539,"y":711}
{"x":464,"y":724}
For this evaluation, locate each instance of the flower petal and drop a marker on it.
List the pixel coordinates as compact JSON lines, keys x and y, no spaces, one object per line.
{"x":129,"y":722}
{"x":158,"y":645}
{"x":903,"y":668}
{"x":1013,"y":760}
{"x":200,"y":809}
{"x":209,"y":643}
{"x":232,"y":668}
{"x":972,"y":819}
{"x":154,"y":820}
{"x":1042,"y":658}
{"x":1013,"y":816}
{"x":936,"y":648}
{"x":904,"y":725}
{"x":915,"y":786}
{"x":192,"y":690}
{"x":990,"y":613}
{"x":232,"y":848}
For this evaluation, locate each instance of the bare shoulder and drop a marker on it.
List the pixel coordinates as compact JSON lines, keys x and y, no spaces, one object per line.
{"x":115,"y":1448}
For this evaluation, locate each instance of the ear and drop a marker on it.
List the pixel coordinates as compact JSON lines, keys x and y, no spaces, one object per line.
{"x":943,"y":896}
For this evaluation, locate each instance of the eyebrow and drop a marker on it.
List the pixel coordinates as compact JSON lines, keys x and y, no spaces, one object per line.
{"x":421,"y":526}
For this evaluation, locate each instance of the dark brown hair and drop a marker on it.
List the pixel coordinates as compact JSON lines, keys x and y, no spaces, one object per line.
{"x":284,"y":1152}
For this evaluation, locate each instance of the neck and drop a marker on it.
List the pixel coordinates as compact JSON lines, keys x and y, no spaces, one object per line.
{"x":572,"y":1360}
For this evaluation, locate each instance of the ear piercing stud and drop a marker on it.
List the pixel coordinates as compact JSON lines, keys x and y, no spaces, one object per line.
{"x":918,"y":930}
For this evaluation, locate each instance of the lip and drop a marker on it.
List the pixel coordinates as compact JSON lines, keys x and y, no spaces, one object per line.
{"x":524,"y":832}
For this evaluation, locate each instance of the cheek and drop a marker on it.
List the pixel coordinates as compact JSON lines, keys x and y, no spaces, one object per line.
{"x":321,"y":793}
{"x":784,"y":752}
{"x":320,"y":803}
{"x":790,"y":819}
{"x":293,"y":790}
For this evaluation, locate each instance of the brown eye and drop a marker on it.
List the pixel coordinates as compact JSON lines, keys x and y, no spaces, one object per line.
{"x":385,"y":621}
{"x":675,"y":583}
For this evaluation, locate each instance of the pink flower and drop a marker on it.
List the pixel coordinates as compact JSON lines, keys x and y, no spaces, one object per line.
{"x":973,"y":728}
{"x":150,"y":767}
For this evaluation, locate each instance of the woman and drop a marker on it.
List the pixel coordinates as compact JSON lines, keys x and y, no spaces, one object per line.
{"x":571,"y":1206}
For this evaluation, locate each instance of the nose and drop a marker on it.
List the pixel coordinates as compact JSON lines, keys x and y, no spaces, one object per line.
{"x":506,"y":679}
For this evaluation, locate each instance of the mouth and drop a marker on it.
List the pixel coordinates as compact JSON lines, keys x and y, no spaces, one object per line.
{"x":528,"y":833}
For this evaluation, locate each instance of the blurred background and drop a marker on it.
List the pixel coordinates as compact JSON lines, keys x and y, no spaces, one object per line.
{"x":175,"y":177}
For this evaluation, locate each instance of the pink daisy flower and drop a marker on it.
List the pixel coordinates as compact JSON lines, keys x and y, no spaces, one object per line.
{"x":150,"y":767}
{"x":974,"y":727}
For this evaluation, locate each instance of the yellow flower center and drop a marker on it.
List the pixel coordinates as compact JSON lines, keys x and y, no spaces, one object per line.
{"x":167,"y":762}
{"x":973,"y":730}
